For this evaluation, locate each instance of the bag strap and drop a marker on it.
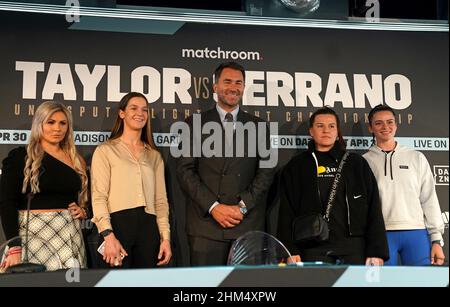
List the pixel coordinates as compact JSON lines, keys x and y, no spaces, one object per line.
{"x":334,"y":187}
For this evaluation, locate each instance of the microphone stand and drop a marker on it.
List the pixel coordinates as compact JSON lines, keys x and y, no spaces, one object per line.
{"x":26,"y":266}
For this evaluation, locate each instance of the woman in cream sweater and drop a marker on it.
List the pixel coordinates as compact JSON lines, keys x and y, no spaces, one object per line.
{"x":129,"y":199}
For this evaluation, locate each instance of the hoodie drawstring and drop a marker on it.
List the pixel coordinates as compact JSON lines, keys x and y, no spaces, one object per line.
{"x":390,"y":161}
{"x":385,"y":162}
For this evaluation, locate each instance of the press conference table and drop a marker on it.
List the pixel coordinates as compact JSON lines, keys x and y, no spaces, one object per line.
{"x":239,"y":276}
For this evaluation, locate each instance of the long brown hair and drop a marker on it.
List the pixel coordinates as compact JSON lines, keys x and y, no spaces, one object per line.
{"x":117,"y":130}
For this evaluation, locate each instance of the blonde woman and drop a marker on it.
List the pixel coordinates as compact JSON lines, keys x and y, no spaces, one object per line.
{"x":129,"y":198}
{"x":49,"y":168}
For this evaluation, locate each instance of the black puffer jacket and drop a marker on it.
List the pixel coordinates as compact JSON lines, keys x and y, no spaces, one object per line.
{"x":357,"y":195}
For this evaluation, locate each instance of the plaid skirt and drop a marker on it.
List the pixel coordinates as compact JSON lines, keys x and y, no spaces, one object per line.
{"x":55,"y":239}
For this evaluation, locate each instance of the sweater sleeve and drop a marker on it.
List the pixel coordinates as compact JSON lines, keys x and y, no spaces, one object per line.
{"x":161,"y":203}
{"x":429,"y":201}
{"x":10,"y":192}
{"x":100,"y":185}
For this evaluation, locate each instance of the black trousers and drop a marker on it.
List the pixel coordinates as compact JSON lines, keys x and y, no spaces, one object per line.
{"x":206,"y":252}
{"x":138,"y":233}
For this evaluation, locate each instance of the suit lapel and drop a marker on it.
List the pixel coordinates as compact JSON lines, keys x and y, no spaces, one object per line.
{"x":213,"y":116}
{"x":225,"y":163}
{"x":240,"y":118}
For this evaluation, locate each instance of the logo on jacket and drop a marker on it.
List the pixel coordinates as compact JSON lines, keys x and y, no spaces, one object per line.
{"x":440,"y":174}
{"x":321,"y":169}
{"x":326,"y":171}
{"x":403,"y":166}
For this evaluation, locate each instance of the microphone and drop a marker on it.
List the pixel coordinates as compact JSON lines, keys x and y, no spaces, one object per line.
{"x":26,"y":266}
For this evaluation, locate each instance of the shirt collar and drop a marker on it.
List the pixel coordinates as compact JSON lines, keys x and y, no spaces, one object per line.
{"x":118,"y":140}
{"x":222,"y":113}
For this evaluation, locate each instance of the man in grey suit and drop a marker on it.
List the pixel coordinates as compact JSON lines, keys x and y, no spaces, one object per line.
{"x":226,"y":194}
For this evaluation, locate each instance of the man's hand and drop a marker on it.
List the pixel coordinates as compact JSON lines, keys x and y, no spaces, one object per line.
{"x":227,"y":216}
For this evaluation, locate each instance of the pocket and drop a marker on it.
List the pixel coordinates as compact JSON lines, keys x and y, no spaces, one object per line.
{"x":357,"y":214}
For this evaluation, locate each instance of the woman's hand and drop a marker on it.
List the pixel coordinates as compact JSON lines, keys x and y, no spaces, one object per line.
{"x":437,"y":255}
{"x":11,"y":260}
{"x":374,"y":261}
{"x":76,"y":211}
{"x":165,"y":252}
{"x":114,"y":252}
{"x":294,"y":259}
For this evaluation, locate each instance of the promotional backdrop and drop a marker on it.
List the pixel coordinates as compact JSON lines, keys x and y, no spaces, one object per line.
{"x":290,"y":73}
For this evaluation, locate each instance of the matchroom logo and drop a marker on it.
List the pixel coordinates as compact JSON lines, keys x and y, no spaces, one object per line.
{"x":220,"y":54}
{"x":440,"y":174}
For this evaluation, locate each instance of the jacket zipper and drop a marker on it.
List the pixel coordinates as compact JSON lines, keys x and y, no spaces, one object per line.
{"x":348,"y":211}
{"x":317,"y":177}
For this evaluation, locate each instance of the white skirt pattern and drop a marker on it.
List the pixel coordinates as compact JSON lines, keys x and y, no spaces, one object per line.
{"x":58,"y":230}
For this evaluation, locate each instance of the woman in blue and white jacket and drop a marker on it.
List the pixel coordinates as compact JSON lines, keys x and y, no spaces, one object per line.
{"x":409,"y":202}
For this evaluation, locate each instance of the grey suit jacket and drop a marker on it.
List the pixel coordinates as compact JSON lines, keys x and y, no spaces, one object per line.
{"x":227,"y":180}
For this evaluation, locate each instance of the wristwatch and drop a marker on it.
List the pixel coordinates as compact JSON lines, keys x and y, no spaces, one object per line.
{"x":440,"y":242}
{"x":106,"y":232}
{"x":243,"y":209}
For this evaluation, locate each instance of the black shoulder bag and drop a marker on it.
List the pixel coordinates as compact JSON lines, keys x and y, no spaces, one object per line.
{"x":313,"y":227}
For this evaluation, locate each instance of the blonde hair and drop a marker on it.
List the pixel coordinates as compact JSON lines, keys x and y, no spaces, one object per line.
{"x":35,"y":152}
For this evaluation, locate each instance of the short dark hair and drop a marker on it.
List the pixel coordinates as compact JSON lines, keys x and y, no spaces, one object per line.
{"x":379,"y":108}
{"x":232,"y":65}
{"x":330,"y":111}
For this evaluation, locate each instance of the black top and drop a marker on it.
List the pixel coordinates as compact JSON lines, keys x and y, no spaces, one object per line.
{"x":59,"y":186}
